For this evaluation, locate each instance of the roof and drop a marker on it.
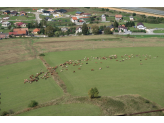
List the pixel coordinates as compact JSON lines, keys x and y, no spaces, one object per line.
{"x":12,"y":33}
{"x":79,"y":12}
{"x":36,"y":30}
{"x":74,"y":18}
{"x":22,"y":12}
{"x":131,"y":16}
{"x":7,"y":11}
{"x":80,"y":20}
{"x":20,"y":32}
{"x":78,"y":27}
{"x":5,"y":22}
{"x":118,"y":16}
{"x":86,"y":14}
{"x":14,"y":12}
{"x":50,"y":10}
{"x":46,"y":11}
{"x":4,"y":34}
{"x":19,"y":24}
{"x":139,"y":24}
{"x":18,"y":29}
{"x":122,"y":27}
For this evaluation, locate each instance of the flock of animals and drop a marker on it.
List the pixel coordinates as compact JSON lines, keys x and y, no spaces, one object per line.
{"x":64,"y":66}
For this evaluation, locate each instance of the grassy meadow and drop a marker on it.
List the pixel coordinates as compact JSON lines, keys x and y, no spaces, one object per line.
{"x":16,"y":95}
{"x":128,"y":77}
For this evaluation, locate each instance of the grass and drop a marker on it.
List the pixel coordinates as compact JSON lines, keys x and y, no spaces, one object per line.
{"x":22,"y":18}
{"x":16,"y":95}
{"x":128,"y":77}
{"x":158,"y":31}
{"x":4,"y":30}
{"x":65,"y":110}
{"x":145,"y":36}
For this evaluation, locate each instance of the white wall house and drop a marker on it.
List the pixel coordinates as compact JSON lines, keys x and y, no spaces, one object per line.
{"x":131,"y":18}
{"x":46,"y":14}
{"x":74,"y":20}
{"x":141,"y":27}
{"x":40,"y":10}
{"x":78,"y":30}
{"x":6,"y":24}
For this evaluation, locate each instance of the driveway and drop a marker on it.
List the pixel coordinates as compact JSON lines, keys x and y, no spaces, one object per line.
{"x":37,"y":16}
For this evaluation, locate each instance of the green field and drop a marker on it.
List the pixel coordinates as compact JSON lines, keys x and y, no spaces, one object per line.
{"x":16,"y":95}
{"x":158,"y":31}
{"x":65,"y":110}
{"x":128,"y":77}
{"x":22,"y":18}
{"x":145,"y":36}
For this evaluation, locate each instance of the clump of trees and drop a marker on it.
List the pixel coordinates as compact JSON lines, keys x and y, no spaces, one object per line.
{"x":84,"y":29}
{"x":95,"y":30}
{"x":130,"y":24}
{"x":107,"y":31}
{"x":93,"y":93}
{"x":33,"y":103}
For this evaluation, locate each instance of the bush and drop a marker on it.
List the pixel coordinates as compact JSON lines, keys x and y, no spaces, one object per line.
{"x":93,"y":93}
{"x":41,"y":54}
{"x":5,"y":113}
{"x":33,"y":103}
{"x":11,"y":111}
{"x":147,"y":101}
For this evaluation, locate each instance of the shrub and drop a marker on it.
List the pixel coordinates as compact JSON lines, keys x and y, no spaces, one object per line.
{"x":147,"y":101}
{"x":41,"y":54}
{"x":11,"y":111}
{"x":5,"y":113}
{"x":93,"y":93}
{"x":33,"y":103}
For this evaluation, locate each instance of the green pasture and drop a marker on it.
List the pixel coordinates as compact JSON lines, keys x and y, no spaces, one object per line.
{"x":149,"y":25}
{"x":22,"y":18}
{"x":16,"y":95}
{"x":128,"y":77}
{"x":65,"y":110}
{"x":158,"y":31}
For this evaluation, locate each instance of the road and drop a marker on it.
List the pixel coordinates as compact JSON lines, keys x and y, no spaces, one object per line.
{"x":37,"y":16}
{"x":140,"y":34}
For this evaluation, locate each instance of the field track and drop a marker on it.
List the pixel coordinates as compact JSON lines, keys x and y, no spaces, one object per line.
{"x":130,"y":11}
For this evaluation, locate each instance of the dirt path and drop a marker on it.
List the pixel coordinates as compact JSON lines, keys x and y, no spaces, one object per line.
{"x":55,"y":76}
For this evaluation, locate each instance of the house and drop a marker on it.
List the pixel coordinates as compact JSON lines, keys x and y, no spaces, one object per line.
{"x":57,"y":15}
{"x":122,"y":28}
{"x":20,"y":29}
{"x":79,"y":13}
{"x":4,"y":35}
{"x":118,"y":17}
{"x":64,"y":29}
{"x":51,"y":10}
{"x":40,"y":10}
{"x":19,"y":33}
{"x":78,"y":29}
{"x":86,"y":14}
{"x":35,"y":31}
{"x":50,"y":19}
{"x":6,"y":24}
{"x":103,"y":18}
{"x":14,"y":13}
{"x":46,"y":13}
{"x":22,"y":13}
{"x":20,"y":24}
{"x":5,"y":18}
{"x":83,"y":18}
{"x":6,"y":12}
{"x":131,"y":18}
{"x":111,"y":27}
{"x":141,"y":26}
{"x":74,"y":19}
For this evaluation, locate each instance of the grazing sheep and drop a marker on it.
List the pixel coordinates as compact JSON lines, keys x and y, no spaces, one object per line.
{"x":96,"y":62}
{"x":123,"y":59}
{"x":61,"y":70}
{"x":80,"y":65}
{"x":107,"y":66}
{"x":79,"y":68}
{"x":92,"y":69}
{"x":120,"y":61}
{"x":126,"y":58}
{"x":100,"y":68}
{"x":73,"y":71}
{"x":146,"y":59}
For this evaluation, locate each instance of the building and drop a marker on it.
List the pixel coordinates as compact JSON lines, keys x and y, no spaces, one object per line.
{"x":78,"y":29}
{"x":57,"y":15}
{"x":46,"y":13}
{"x":131,"y":18}
{"x":122,"y":29}
{"x":74,"y":19}
{"x":64,"y":29}
{"x":141,"y":26}
{"x":4,"y":35}
{"x":103,"y":18}
{"x":35,"y":31}
{"x":22,"y":13}
{"x":20,"y":24}
{"x":79,"y":13}
{"x":6,"y":24}
{"x":51,"y":10}
{"x":6,"y":12}
{"x":14,"y":13}
{"x":118,"y":17}
{"x":40,"y":10}
{"x":111,"y":27}
{"x":86,"y":14}
{"x":19,"y":32}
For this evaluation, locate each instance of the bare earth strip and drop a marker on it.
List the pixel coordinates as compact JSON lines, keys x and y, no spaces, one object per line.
{"x":130,"y":11}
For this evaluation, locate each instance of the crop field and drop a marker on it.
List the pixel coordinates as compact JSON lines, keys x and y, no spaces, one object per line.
{"x":125,"y":77}
{"x":15,"y":95}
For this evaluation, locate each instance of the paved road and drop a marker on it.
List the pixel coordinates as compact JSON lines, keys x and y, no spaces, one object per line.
{"x":140,"y":34}
{"x":37,"y":16}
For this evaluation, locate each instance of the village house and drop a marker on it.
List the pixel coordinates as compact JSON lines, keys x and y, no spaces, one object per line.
{"x":35,"y":31}
{"x":78,"y":29}
{"x":79,"y":13}
{"x":103,"y":18}
{"x":57,"y":15}
{"x":118,"y":17}
{"x":40,"y":10}
{"x":5,"y":18}
{"x":131,"y":18}
{"x":122,"y":29}
{"x":46,"y":13}
{"x":6,"y":24}
{"x":14,"y":13}
{"x":22,"y":13}
{"x":6,"y":12}
{"x":86,"y":14}
{"x":64,"y":29}
{"x":74,"y":20}
{"x":19,"y":32}
{"x":20,"y":24}
{"x":4,"y":35}
{"x":51,"y":10}
{"x":141,"y":26}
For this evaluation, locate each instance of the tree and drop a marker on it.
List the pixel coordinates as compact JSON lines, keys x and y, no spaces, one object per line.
{"x":93,"y":93}
{"x":29,"y":25}
{"x":49,"y":31}
{"x":84,"y":29}
{"x":57,"y":33}
{"x":107,"y":31}
{"x":9,"y":27}
{"x":33,"y":103}
{"x":95,"y":30}
{"x":115,"y":24}
{"x":134,"y":14}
